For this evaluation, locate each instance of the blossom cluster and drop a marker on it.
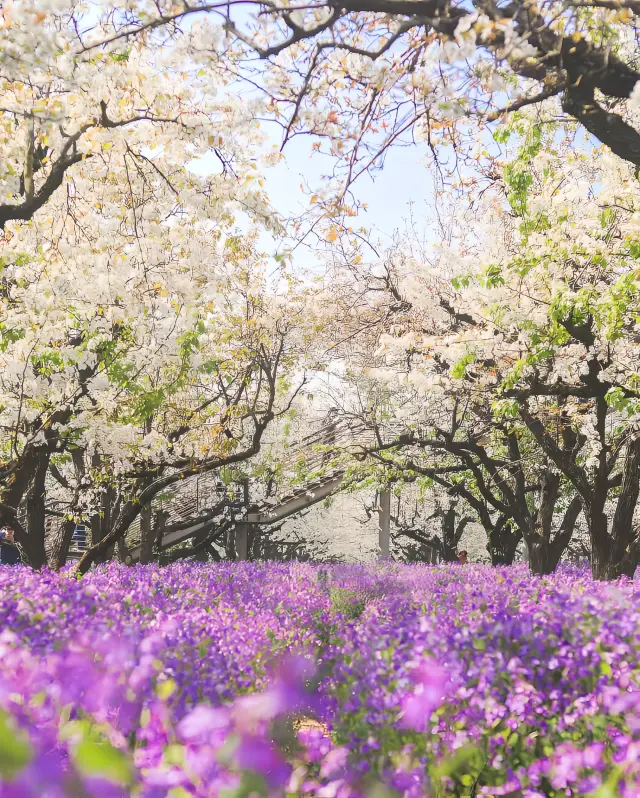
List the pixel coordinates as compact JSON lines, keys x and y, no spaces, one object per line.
{"x":301,"y":680}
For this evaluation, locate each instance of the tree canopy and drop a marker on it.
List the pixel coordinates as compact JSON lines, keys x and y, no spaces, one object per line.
{"x":145,"y":337}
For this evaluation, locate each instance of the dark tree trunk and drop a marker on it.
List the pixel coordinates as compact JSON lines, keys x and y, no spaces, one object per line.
{"x":60,"y":544}
{"x":502,"y":541}
{"x":449,"y":542}
{"x":33,"y":544}
{"x":451,"y":534}
{"x":538,"y":537}
{"x":147,"y":537}
{"x":600,"y":542}
{"x":563,"y":536}
{"x":123,"y":551}
{"x":230,"y":544}
{"x":101,"y":524}
{"x":15,"y":488}
{"x":546,"y":551}
{"x":96,"y":529}
{"x":539,"y":556}
{"x":624,"y":551}
{"x":159,"y":523}
{"x":62,"y":537}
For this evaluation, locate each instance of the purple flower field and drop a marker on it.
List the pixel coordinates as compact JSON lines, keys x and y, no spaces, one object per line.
{"x":298,"y":680}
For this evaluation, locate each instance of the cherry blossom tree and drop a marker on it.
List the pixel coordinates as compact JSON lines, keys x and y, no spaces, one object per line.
{"x":138,"y":333}
{"x":166,"y":395}
{"x":493,"y":468}
{"x":428,"y":425}
{"x":576,"y":374}
{"x":537,"y":327}
{"x":117,"y":106}
{"x":366,"y":75}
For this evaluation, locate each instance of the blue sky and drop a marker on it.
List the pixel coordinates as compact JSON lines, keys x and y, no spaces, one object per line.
{"x":404,"y":179}
{"x":402,"y":188}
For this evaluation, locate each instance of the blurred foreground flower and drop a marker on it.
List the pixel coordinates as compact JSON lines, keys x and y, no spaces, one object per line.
{"x":430,"y":681}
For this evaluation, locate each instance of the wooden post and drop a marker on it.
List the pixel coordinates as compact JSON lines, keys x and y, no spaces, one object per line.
{"x":384,"y":523}
{"x":241,"y":541}
{"x":242,"y":530}
{"x":146,"y":536}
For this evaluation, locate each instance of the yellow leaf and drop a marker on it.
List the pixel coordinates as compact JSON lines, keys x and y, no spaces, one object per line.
{"x":166,"y":689}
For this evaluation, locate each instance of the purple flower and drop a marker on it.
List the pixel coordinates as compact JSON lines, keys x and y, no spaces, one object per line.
{"x":260,"y":756}
{"x":167,"y":667}
{"x":198,"y":725}
{"x":334,"y":762}
{"x":418,"y":705}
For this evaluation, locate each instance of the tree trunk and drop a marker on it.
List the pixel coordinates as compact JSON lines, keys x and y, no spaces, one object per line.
{"x":600,"y":542}
{"x":545,"y":552}
{"x":384,"y":525}
{"x":61,"y":539}
{"x":624,"y":550}
{"x":146,"y":536}
{"x":123,"y":551}
{"x":502,"y":541}
{"x":563,"y":536}
{"x":19,"y":484}
{"x":538,"y":555}
{"x":33,"y":545}
{"x":159,"y":523}
{"x":449,"y":542}
{"x":538,"y":537}
{"x":101,"y":524}
{"x":60,"y":545}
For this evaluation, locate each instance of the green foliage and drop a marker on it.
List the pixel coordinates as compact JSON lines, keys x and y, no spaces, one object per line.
{"x":347,"y":602}
{"x":8,"y":336}
{"x":518,"y":174}
{"x":251,"y":785}
{"x":462,"y":769}
{"x":505,"y":408}
{"x":634,"y":249}
{"x":493,"y":276}
{"x":94,"y":755}
{"x":15,"y":750}
{"x":460,"y":368}
{"x":461,"y":281}
{"x":100,"y":758}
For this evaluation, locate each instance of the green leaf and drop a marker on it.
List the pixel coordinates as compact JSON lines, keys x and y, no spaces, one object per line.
{"x":493,"y":276}
{"x":174,"y":755}
{"x":100,"y":758}
{"x":164,"y":690}
{"x":15,"y":750}
{"x":459,"y":369}
{"x":466,"y":759}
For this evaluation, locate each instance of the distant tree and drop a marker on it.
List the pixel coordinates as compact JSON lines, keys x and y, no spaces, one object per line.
{"x":532,"y":340}
{"x":420,"y":539}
